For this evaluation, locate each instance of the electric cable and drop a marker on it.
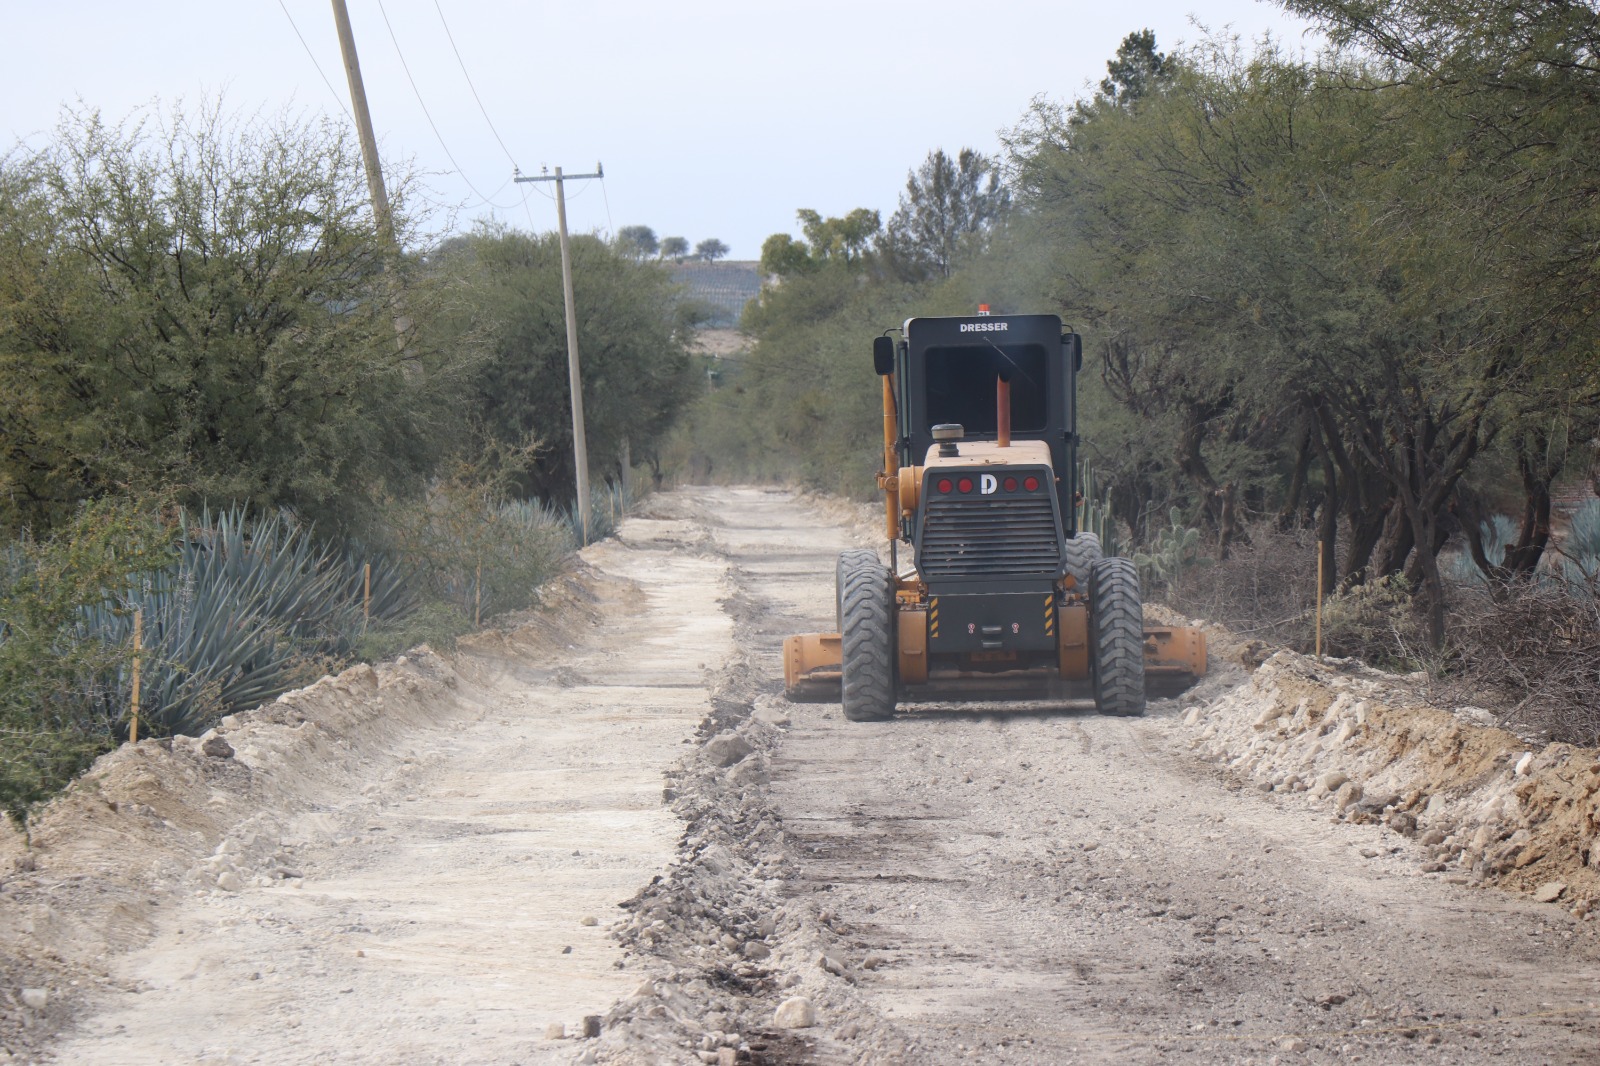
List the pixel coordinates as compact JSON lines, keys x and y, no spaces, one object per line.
{"x":429,"y":116}
{"x":462,"y":64}
{"x":313,"y":57}
{"x":610,"y":229}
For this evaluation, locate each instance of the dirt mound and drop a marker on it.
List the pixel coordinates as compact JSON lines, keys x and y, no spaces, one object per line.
{"x":206,"y":814}
{"x":1362,"y":745}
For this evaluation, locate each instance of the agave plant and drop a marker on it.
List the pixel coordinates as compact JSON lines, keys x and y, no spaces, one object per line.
{"x":206,"y":652}
{"x":251,"y":608}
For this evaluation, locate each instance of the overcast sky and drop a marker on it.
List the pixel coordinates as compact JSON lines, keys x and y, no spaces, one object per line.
{"x":713,"y":118}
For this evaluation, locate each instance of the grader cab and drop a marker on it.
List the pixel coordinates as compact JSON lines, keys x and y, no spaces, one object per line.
{"x":990,"y":592}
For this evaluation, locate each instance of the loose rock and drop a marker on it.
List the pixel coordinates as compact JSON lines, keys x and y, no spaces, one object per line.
{"x":795,"y":1013}
{"x":591,"y":1026}
{"x":1549,"y":892}
{"x":727,"y":748}
{"x":216,"y":747}
{"x":1348,"y":793}
{"x":229,"y":881}
{"x":35,"y":998}
{"x":555,"y":1031}
{"x":588,"y":919}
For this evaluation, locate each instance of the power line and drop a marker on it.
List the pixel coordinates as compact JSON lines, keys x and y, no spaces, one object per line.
{"x":429,"y":116}
{"x":313,"y":57}
{"x":462,"y":63}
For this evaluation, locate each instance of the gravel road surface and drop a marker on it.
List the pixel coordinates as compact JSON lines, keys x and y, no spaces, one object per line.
{"x":964,"y":884}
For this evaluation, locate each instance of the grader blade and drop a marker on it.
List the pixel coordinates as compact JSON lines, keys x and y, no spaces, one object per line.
{"x":811,"y":668}
{"x":1174,"y":658}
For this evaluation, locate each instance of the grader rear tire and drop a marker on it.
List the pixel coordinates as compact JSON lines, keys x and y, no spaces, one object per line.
{"x":1083,"y":551}
{"x":1116,"y":638}
{"x":867,"y":637}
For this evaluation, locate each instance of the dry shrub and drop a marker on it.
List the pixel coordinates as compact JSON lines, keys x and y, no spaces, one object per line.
{"x":1531,"y":650}
{"x":1266,"y":588}
{"x":1378,"y":623}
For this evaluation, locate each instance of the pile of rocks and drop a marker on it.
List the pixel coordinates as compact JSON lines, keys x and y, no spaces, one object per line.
{"x":1476,"y":804}
{"x":750,"y":977}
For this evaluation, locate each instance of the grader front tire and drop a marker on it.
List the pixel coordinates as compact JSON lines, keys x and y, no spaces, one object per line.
{"x":867,"y":637}
{"x":847,"y":559}
{"x":1116,"y":638}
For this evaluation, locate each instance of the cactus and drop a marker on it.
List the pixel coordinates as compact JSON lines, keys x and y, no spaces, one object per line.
{"x":1094,"y":513}
{"x":1172,"y":551}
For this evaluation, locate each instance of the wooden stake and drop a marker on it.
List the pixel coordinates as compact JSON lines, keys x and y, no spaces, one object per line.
{"x":138,"y":646}
{"x":1319,"y":601}
{"x":366,"y":596}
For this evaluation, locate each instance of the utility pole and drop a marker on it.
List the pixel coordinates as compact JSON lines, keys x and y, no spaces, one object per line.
{"x":575,"y":381}
{"x":369,"y":142}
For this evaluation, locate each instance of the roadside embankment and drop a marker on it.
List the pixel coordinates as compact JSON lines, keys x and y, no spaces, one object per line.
{"x":1362,"y":745}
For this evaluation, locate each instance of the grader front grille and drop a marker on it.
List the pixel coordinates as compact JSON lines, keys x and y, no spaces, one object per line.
{"x":974,"y":536}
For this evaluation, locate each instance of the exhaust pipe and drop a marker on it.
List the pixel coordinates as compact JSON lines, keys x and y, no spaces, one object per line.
{"x":1002,"y":414}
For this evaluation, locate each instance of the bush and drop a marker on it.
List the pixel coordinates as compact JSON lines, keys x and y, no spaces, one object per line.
{"x":1376,"y":622}
{"x":56,"y":714}
{"x":1531,"y":649}
{"x":476,"y":552}
{"x":1266,"y":588}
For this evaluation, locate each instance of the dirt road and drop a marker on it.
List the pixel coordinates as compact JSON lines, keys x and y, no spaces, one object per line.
{"x":962,"y":884}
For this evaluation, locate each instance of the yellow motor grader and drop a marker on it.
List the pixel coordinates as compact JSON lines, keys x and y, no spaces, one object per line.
{"x":1002,"y":596}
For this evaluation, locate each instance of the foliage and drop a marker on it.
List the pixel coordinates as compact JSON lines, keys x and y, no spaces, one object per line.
{"x":637,"y":242}
{"x":1531,"y":648}
{"x":193,"y":306}
{"x":675,"y":248}
{"x":1136,"y":70}
{"x":1265,"y":589}
{"x":252,"y":607}
{"x":1376,"y":622}
{"x":51,"y":722}
{"x":710,"y":250}
{"x":947,"y":207}
{"x":827,"y":241}
{"x":506,"y":305}
{"x":473,"y":549}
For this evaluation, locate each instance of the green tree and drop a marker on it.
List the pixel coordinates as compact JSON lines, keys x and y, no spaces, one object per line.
{"x":846,"y":241}
{"x":192,"y":305}
{"x":1135,"y":70}
{"x":947,"y":204}
{"x":710,"y":250}
{"x":675,"y":248}
{"x":632,"y":332}
{"x":638,"y":241}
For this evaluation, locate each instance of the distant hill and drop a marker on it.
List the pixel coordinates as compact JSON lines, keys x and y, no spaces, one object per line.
{"x":725,"y":287}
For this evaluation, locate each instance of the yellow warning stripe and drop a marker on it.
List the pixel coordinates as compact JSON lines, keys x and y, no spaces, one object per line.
{"x":1050,"y":615}
{"x":933,"y":616}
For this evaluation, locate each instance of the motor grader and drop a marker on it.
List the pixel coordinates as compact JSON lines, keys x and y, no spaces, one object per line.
{"x":990,"y":592}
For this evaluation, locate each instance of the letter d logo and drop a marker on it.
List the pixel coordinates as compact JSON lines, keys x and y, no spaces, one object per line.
{"x":987,"y":484}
